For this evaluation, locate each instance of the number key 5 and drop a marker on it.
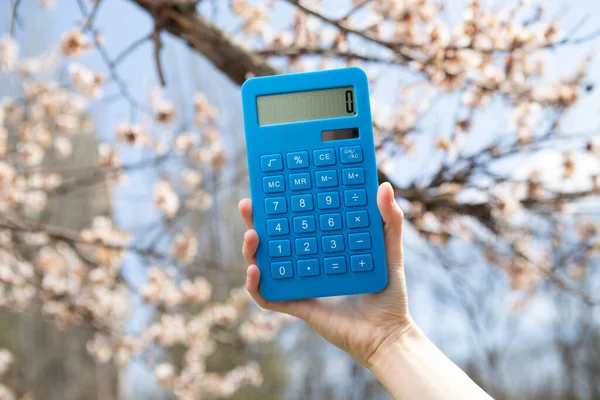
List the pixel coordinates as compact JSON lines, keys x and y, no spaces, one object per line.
{"x":304,"y":224}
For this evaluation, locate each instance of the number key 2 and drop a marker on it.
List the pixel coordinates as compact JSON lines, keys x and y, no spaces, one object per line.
{"x":306,"y":246}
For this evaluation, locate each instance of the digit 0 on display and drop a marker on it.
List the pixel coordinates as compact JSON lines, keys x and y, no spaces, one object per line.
{"x":311,"y":163}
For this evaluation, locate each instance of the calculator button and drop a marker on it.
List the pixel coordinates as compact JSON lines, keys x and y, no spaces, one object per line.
{"x":304,"y":224}
{"x":280,"y":248}
{"x":324,"y":157}
{"x":282,"y":270}
{"x":300,"y":181}
{"x":273,"y":184}
{"x":353,"y":176}
{"x":352,"y":154}
{"x":331,"y":222}
{"x":302,"y":202}
{"x":334,"y":265}
{"x":354,"y":198}
{"x":276,"y":227}
{"x":332,"y":244}
{"x":357,"y":219}
{"x":359,"y":241}
{"x":326,"y":178}
{"x":306,"y":246}
{"x":297,"y":160}
{"x":275,"y":205}
{"x":328,"y":200}
{"x":361,"y":263}
{"x":271,"y":162}
{"x":308,"y":267}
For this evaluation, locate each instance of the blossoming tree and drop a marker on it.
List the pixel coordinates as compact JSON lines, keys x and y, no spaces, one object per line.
{"x":485,"y":188}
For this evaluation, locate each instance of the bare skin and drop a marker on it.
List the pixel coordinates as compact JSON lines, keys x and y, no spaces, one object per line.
{"x":377,"y":330}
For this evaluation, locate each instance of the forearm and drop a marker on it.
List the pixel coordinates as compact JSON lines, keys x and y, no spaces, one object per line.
{"x":414,"y":368}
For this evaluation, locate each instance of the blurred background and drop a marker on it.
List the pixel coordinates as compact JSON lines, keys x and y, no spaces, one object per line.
{"x":123,"y":160}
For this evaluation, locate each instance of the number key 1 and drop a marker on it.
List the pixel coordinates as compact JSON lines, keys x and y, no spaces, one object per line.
{"x":279,"y":248}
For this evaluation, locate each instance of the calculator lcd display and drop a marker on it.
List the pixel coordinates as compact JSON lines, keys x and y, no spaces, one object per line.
{"x":306,"y":106}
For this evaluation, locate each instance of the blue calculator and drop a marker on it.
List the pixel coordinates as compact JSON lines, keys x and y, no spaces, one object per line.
{"x":313,"y":181}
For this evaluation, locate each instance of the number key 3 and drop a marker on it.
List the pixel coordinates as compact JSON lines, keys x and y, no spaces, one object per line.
{"x":333,"y":244}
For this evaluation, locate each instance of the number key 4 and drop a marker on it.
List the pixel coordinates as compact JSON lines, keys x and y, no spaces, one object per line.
{"x":277,"y":227}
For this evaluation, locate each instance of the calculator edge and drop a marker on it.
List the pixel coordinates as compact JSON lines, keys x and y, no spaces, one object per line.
{"x":252,"y":88}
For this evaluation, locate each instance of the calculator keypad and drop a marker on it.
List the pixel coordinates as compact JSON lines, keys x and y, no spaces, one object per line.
{"x":330,"y":187}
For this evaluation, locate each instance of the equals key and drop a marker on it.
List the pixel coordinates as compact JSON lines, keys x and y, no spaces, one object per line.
{"x":334,"y":265}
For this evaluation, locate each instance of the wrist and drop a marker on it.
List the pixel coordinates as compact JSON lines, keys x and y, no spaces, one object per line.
{"x":397,"y":341}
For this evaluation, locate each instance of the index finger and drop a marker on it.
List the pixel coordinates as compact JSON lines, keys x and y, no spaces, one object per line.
{"x":245,"y":207}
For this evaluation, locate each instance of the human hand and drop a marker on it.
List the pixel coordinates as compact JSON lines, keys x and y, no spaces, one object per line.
{"x":363,"y":328}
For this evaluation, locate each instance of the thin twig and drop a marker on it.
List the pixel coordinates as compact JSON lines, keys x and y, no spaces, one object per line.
{"x":129,"y":49}
{"x":15,"y":16}
{"x":354,"y":9}
{"x":157,"y":47}
{"x":123,"y":89}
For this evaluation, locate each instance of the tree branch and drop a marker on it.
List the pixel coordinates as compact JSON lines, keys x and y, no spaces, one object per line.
{"x":201,"y":35}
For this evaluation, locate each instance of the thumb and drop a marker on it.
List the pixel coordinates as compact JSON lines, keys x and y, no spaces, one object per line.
{"x":392,"y":217}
